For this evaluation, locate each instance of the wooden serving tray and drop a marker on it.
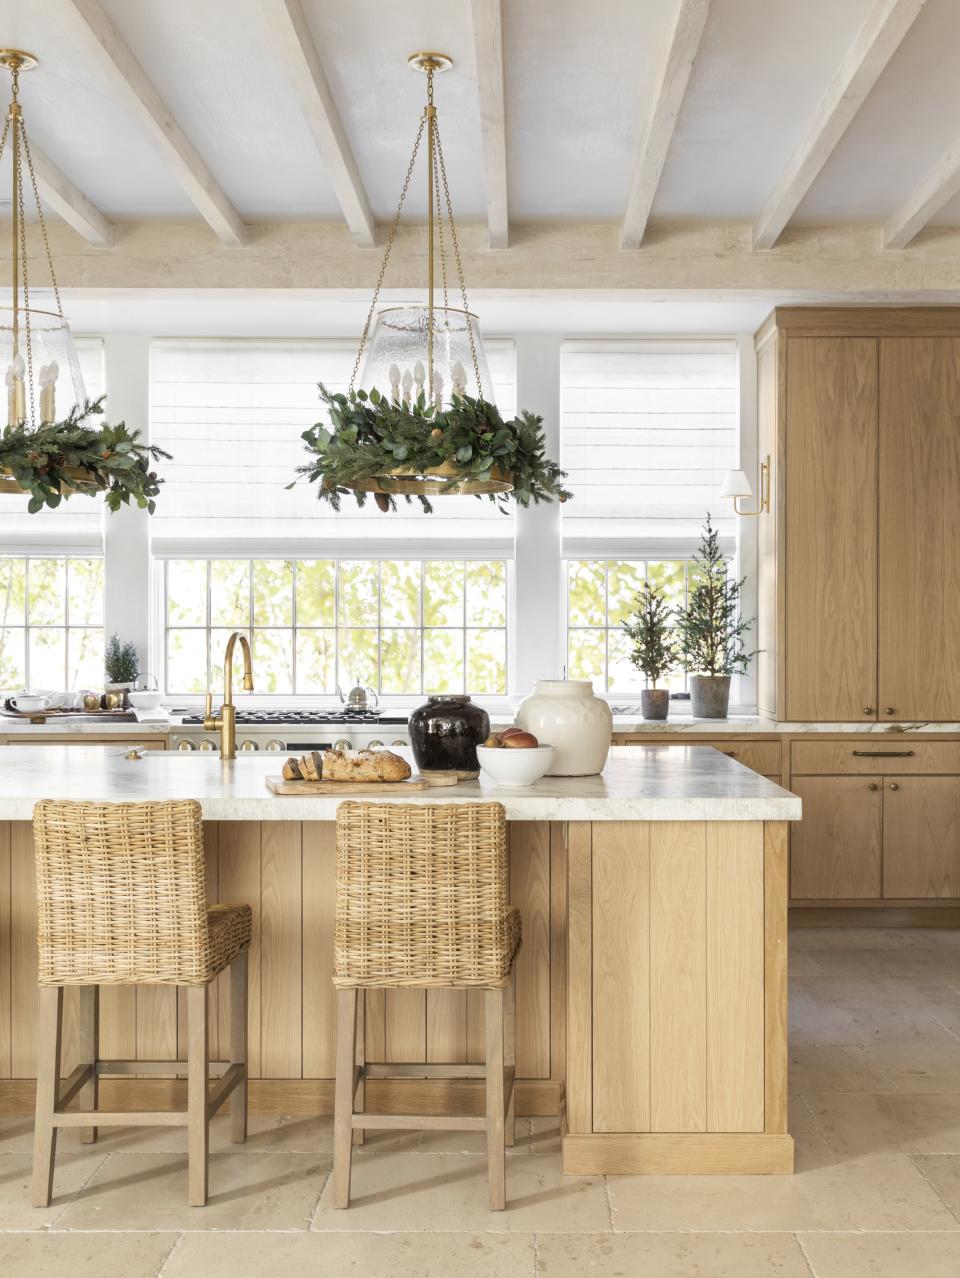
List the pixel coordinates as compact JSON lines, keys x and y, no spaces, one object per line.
{"x":279,"y":785}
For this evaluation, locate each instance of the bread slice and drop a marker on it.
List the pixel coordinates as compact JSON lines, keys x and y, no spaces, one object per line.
{"x":364,"y":765}
{"x":291,"y":771}
{"x":308,"y":768}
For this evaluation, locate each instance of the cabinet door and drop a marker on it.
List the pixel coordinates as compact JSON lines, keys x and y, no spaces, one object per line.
{"x":921,"y":837}
{"x":831,"y":528}
{"x":919,"y":606}
{"x":835,"y":851}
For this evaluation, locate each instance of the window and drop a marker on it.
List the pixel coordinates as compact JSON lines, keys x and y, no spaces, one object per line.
{"x":647,"y":430}
{"x":74,"y":523}
{"x":51,"y":623}
{"x":232,"y":413}
{"x":600,"y":595}
{"x":400,"y":626}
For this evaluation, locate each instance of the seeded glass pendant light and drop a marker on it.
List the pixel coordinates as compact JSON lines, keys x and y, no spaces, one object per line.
{"x":38,"y":359}
{"x":434,"y":348}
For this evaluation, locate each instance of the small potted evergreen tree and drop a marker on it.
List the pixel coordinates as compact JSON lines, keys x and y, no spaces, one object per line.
{"x":654,"y":648}
{"x":121,"y":667}
{"x":711,"y":631}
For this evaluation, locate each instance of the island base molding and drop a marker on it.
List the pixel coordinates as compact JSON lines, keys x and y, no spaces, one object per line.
{"x":678,"y":1154}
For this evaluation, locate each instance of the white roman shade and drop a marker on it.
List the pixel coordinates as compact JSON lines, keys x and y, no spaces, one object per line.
{"x":232,"y":412}
{"x":648,"y":430}
{"x":77,"y":524}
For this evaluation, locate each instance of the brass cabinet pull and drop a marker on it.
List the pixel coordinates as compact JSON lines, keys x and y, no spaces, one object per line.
{"x":731,"y":754}
{"x":868,"y":709}
{"x":894,"y":786}
{"x":873,"y":786}
{"x":884,"y":754}
{"x":889,"y":709}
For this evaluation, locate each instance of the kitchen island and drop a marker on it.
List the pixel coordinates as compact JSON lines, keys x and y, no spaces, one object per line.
{"x":651,"y":986}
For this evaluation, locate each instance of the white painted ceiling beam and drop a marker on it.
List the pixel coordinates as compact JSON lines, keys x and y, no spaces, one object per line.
{"x":938,"y":188}
{"x":872,"y":48}
{"x":488,"y":52}
{"x":291,"y":35}
{"x":72,"y":205}
{"x":659,"y":127}
{"x":124,"y":75}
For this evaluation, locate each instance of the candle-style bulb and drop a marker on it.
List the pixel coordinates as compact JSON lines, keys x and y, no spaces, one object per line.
{"x":419,"y":375}
{"x":407,"y":385}
{"x":18,"y":365}
{"x":395,"y":383}
{"x":459,"y":374}
{"x":437,"y":387}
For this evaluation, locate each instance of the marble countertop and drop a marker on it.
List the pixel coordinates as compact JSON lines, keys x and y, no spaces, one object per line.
{"x":681,"y":725}
{"x":659,"y":783}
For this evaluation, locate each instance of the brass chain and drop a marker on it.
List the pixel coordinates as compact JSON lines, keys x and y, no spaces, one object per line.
{"x":386,"y":255}
{"x":40,"y":218}
{"x":436,"y":200}
{"x":456,"y":251}
{"x":21,"y":150}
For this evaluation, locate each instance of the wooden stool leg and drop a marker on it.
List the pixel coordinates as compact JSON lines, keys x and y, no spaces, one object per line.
{"x":510,"y":1052}
{"x":89,"y":1053}
{"x":343,"y":1096}
{"x":238,"y":1046}
{"x":50,"y":1027}
{"x":198,"y":1127}
{"x":361,"y":1057}
{"x":496,"y":1160}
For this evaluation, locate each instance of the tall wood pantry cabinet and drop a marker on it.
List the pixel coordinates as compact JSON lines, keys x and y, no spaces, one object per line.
{"x":859,"y":576}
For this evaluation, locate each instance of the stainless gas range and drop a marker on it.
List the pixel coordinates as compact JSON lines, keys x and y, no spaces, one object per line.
{"x":295,"y":731}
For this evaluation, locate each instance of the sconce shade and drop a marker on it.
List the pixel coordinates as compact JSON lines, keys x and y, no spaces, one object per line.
{"x":736,"y":484}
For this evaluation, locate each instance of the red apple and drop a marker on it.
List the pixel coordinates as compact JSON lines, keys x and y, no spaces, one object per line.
{"x":520,"y":741}
{"x":509,"y":732}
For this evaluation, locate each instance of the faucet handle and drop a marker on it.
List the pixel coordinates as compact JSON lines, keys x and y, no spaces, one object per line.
{"x":208,"y":707}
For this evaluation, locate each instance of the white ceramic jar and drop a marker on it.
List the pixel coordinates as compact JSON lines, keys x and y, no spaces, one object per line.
{"x":566,"y":714}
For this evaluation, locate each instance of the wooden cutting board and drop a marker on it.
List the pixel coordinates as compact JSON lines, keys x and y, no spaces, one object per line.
{"x":279,"y":785}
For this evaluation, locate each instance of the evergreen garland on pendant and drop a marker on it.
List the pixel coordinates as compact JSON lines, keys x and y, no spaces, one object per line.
{"x":710,"y":628}
{"x":372,"y":435}
{"x":58,"y":458}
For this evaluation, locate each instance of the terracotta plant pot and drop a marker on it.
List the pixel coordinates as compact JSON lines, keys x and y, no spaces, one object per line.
{"x":709,"y":696}
{"x":655,"y":702}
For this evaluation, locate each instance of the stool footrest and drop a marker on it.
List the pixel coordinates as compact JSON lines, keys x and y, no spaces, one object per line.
{"x":389,"y":1069}
{"x":418,"y":1122}
{"x":120,"y":1118}
{"x":174,"y":1068}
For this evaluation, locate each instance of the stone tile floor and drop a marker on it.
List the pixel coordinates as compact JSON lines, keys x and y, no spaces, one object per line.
{"x":875,"y":1109}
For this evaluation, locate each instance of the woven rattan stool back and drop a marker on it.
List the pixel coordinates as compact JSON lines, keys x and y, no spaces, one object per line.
{"x":422,"y":895}
{"x":121,"y":893}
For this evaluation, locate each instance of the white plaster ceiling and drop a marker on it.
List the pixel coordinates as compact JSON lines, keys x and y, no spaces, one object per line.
{"x":579,"y":79}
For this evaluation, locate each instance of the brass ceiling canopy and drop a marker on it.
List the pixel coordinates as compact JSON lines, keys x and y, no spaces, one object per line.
{"x":429,"y":62}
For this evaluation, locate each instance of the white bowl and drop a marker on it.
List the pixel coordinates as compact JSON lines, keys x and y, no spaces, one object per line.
{"x":515,"y":766}
{"x":144,"y":700}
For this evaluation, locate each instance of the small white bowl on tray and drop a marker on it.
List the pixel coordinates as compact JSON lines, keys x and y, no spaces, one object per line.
{"x":143,"y":700}
{"x":515,"y":766}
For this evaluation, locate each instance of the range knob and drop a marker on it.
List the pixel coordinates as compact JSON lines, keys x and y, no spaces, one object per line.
{"x":186,"y":745}
{"x":248,"y":746}
{"x":372,"y":745}
{"x":342,"y":744}
{"x":400,"y":741}
{"x":207,"y":746}
{"x":276,"y":745}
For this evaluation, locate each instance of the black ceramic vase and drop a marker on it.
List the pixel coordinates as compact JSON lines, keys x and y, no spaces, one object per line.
{"x":445,"y":733}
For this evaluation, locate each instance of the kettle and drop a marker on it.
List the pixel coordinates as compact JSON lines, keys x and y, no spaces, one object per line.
{"x":358,"y":697}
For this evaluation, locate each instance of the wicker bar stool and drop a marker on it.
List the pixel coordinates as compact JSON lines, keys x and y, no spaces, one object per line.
{"x":422,"y":902}
{"x":121,"y":900}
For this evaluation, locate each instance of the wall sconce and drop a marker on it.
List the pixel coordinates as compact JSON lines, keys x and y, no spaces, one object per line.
{"x":736,"y":485}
